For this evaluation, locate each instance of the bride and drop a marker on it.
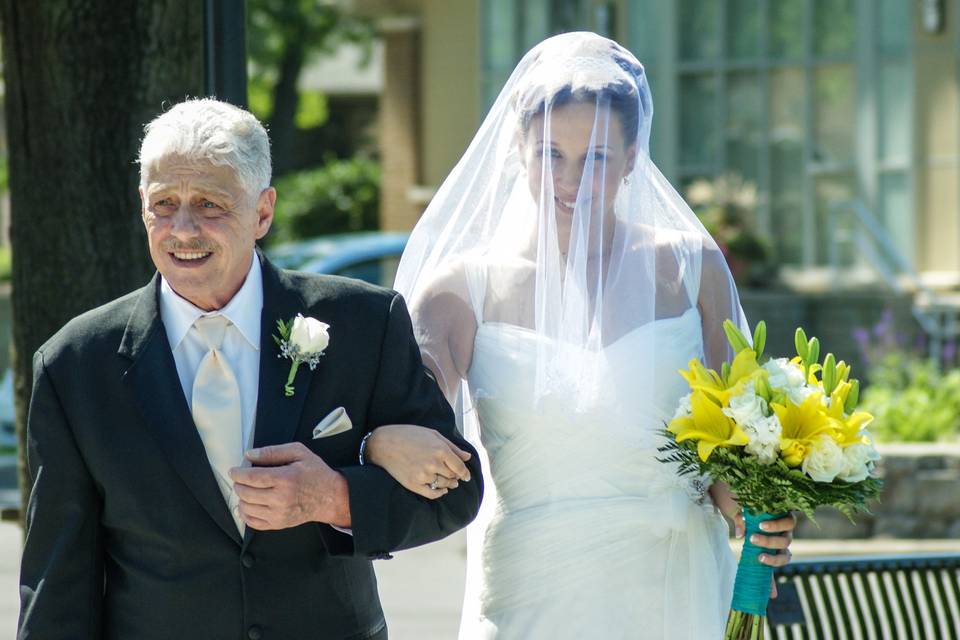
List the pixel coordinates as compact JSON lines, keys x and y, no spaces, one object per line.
{"x":557,"y":283}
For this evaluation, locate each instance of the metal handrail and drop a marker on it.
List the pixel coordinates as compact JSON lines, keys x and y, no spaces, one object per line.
{"x":938,"y":316}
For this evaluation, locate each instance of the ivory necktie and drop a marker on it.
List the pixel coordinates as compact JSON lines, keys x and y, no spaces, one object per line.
{"x":216,"y":410}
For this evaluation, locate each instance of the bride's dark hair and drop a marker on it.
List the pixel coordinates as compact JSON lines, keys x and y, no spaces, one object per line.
{"x":620,"y":96}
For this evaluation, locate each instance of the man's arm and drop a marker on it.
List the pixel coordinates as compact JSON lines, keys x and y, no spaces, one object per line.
{"x":290,"y":485}
{"x":385,"y":516}
{"x":61,"y":574}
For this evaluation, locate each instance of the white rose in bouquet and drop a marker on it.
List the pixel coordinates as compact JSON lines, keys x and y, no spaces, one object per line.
{"x":859,"y":460}
{"x":824,"y":460}
{"x":784,"y":374}
{"x":747,"y":408}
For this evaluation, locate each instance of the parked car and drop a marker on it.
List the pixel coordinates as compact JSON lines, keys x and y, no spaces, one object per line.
{"x":371,"y":256}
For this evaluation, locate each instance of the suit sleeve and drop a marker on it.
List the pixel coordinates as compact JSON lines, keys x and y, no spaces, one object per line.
{"x":386,"y":517}
{"x":61,"y":573}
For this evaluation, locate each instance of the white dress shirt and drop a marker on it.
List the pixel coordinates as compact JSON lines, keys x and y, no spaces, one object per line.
{"x":241,"y":342}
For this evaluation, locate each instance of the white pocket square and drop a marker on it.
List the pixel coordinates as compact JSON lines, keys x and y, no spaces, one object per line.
{"x":337,"y":421}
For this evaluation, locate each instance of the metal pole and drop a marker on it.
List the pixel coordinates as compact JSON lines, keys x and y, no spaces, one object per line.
{"x":225,"y":64}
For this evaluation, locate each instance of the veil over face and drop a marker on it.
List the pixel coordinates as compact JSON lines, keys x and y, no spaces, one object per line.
{"x":578,"y":236}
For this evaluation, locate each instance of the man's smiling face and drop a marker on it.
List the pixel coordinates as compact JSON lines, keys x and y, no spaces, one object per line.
{"x":202,"y":224}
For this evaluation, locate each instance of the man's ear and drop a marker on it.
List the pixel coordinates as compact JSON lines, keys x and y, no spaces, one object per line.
{"x":265,"y":205}
{"x":143,"y":205}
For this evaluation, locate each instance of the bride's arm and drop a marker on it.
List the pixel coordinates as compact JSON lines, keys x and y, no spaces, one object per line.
{"x":420,"y":459}
{"x":718,"y":303}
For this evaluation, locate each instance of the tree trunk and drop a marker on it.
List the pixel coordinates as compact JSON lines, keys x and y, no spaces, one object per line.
{"x":82,"y":77}
{"x":283,"y":127}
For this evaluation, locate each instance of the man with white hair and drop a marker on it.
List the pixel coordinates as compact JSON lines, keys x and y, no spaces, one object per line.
{"x":197,"y":468}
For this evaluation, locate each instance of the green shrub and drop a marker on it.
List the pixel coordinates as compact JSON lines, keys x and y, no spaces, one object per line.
{"x":5,"y":264}
{"x":913,"y":397}
{"x":340,"y":196}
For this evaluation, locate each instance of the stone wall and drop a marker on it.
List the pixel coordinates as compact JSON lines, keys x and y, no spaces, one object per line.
{"x":920,"y":499}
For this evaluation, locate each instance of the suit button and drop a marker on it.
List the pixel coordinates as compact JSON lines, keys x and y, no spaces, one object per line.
{"x":254,"y":633}
{"x":247,"y":560}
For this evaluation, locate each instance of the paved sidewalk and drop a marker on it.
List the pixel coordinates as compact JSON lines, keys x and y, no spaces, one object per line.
{"x":422,"y":589}
{"x":11,"y":541}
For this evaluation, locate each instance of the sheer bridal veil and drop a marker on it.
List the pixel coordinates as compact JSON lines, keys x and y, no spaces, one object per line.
{"x":556,"y":222}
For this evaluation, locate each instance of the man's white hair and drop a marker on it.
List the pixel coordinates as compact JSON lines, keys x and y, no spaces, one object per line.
{"x":205,"y":129}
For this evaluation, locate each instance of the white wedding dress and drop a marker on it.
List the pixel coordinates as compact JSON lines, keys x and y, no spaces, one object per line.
{"x":587,"y":535}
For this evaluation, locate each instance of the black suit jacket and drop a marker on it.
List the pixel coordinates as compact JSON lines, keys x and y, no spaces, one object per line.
{"x":128,"y":535}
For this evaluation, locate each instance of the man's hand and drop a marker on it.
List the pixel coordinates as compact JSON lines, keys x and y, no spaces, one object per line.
{"x":290,"y":485}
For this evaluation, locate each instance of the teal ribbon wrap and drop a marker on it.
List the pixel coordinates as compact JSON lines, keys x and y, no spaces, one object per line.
{"x":751,"y":590}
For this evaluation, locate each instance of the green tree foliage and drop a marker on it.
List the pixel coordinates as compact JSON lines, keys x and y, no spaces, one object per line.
{"x":284,"y":36}
{"x":342,"y":195}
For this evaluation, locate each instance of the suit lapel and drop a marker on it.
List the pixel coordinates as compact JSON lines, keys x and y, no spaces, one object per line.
{"x":277,"y":414}
{"x":153,"y":380}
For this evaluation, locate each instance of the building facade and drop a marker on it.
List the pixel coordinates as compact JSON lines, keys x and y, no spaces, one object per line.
{"x":839,"y":118}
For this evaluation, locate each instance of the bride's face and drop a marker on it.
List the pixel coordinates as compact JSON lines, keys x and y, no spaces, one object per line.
{"x":568,"y":149}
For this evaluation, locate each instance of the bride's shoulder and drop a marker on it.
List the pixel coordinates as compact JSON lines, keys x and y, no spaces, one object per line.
{"x":670,"y":244}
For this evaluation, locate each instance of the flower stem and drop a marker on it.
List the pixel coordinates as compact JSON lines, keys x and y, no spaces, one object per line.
{"x":288,"y":388}
{"x":744,"y":626}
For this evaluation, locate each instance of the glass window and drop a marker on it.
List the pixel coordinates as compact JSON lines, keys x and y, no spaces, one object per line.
{"x":698,"y":106}
{"x":894,"y":110}
{"x":744,"y":121}
{"x":501,"y":34}
{"x":743,"y":29}
{"x":787,"y":135}
{"x":699,"y":29}
{"x":775,"y":82}
{"x":786,"y":105}
{"x":895,"y":26}
{"x":566,"y":15}
{"x":786,"y":28}
{"x":829,"y":191}
{"x":833,"y":27}
{"x":894,"y":208}
{"x":786,"y":199}
{"x":535,"y":22}
{"x":834,"y":88}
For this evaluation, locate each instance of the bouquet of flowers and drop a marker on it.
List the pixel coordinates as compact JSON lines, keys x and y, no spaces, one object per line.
{"x":785,"y":435}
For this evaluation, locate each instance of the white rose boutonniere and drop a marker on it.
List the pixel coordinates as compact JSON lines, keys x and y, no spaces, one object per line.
{"x":302,"y":340}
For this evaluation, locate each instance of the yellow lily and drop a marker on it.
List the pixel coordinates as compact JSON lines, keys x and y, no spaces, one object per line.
{"x":801,"y":425}
{"x":847,"y":427}
{"x":698,"y":376}
{"x":743,"y":370}
{"x":708,"y":426}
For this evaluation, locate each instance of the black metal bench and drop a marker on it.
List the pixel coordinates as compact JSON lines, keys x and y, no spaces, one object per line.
{"x":868,"y":598}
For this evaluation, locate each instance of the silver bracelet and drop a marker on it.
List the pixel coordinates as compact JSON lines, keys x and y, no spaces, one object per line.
{"x":363,"y":446}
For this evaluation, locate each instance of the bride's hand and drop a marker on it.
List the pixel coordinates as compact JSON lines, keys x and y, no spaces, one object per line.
{"x":724,"y":500}
{"x":417,"y":457}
